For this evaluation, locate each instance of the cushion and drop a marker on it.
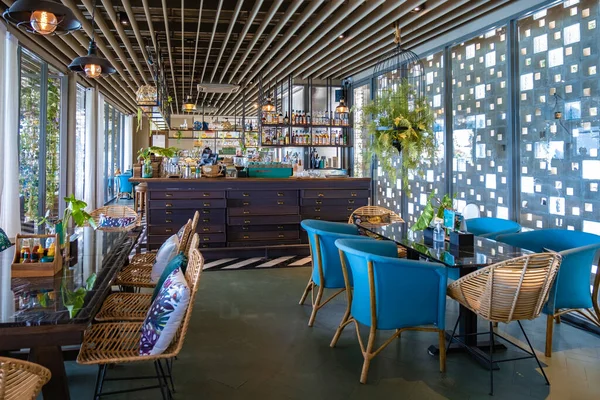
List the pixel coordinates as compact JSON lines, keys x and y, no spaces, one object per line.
{"x":112,"y":222}
{"x":165,"y":253}
{"x":165,"y":315}
{"x":383,"y":218}
{"x":4,"y":242}
{"x":179,"y":261}
{"x":180,"y":232}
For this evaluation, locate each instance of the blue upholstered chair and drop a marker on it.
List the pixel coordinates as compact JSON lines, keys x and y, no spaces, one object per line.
{"x":391,"y":293}
{"x":571,"y":290}
{"x":327,"y":268}
{"x":491,"y":227}
{"x":124,"y":187}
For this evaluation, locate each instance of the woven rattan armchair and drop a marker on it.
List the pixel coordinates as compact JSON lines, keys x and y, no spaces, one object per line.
{"x":139,"y":275}
{"x":21,"y":380}
{"x":148,"y":258}
{"x":375,"y":211}
{"x":116,"y":212}
{"x":119,"y":342}
{"x":512,"y":290}
{"x":124,"y":306}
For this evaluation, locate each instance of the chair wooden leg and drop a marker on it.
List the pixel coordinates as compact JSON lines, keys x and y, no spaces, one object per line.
{"x":341,"y":327}
{"x":398,"y":331}
{"x":557,"y":319}
{"x":368,"y":355}
{"x":442,"y":346}
{"x":316,"y":306}
{"x":135,"y":201}
{"x":549,"y":332}
{"x":309,"y":287}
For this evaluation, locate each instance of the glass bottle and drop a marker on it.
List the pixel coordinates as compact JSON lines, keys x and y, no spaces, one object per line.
{"x":438,"y":232}
{"x":147,"y":169}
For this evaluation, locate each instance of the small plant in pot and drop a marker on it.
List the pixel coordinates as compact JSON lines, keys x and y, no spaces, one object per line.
{"x":400,"y":123}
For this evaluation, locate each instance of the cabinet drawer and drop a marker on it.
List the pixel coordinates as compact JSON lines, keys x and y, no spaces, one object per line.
{"x":268,"y":202}
{"x":322,"y":201}
{"x":194,"y":204}
{"x":185,"y":194}
{"x":269,"y":235}
{"x":163,"y":229}
{"x":274,"y":210}
{"x":262,"y":194}
{"x":265,"y":220}
{"x":261,"y":228}
{"x":213,"y":238}
{"x":252,"y":243}
{"x":206,"y":228}
{"x":327,"y":210}
{"x":180,"y":217}
{"x":335,"y":194}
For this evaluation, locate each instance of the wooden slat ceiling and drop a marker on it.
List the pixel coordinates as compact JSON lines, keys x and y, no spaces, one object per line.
{"x":238,"y":41}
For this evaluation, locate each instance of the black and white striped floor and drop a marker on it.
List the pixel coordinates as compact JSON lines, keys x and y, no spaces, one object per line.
{"x":229,"y":264}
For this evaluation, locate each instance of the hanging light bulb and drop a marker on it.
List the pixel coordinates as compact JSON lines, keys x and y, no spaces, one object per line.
{"x":43,"y":22}
{"x":92,"y":70}
{"x":268,"y":106}
{"x":189,"y":106}
{"x":342,"y":107}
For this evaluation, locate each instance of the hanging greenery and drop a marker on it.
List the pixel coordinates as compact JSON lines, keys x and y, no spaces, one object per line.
{"x":400,"y":123}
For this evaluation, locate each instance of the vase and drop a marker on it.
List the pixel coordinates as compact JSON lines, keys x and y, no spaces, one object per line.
{"x":147,"y":170}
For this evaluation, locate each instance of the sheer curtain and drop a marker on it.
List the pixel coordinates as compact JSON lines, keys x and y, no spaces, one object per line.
{"x":90,"y":150}
{"x":128,"y":143}
{"x":100,"y":151}
{"x":10,"y":216}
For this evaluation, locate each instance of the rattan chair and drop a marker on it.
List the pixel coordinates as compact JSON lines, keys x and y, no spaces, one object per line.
{"x":148,"y":258}
{"x":20,"y":380}
{"x":512,"y":290}
{"x":119,"y":342}
{"x":116,"y":212}
{"x":124,"y":306}
{"x":375,"y":211}
{"x":139,"y":275}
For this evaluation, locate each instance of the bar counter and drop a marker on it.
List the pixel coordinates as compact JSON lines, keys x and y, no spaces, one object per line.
{"x":249,"y":212}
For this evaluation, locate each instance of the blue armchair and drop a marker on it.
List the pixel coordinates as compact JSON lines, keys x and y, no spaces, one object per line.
{"x":571,"y":289}
{"x":491,"y":227}
{"x":124,"y":187}
{"x":391,"y":293}
{"x":327,"y":268}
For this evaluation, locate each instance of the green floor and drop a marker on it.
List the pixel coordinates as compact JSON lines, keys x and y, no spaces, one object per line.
{"x":249,"y":339}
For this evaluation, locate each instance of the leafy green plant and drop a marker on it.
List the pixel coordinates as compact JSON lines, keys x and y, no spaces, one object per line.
{"x":401,"y":123}
{"x":428,"y":213}
{"x":179,"y":135}
{"x":76,"y":209}
{"x":73,"y":300}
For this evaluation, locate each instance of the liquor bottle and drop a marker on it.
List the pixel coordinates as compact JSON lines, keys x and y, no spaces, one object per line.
{"x":280,"y":119}
{"x":286,"y":120}
{"x":306,"y":138}
{"x":287,"y":139}
{"x":308,"y":119}
{"x":293,"y":117}
{"x":325,"y":119}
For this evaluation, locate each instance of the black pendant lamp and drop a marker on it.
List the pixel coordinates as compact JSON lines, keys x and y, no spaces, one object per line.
{"x":43,"y":17}
{"x":92,"y":65}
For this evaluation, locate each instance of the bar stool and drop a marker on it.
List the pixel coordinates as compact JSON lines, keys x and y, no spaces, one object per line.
{"x":140,"y":198}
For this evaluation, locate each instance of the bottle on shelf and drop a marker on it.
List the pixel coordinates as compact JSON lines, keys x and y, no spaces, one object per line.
{"x":287,"y":139}
{"x":306,"y":138}
{"x":293,"y":117}
{"x":286,"y":120}
{"x":307,"y":119}
{"x":280,"y":119}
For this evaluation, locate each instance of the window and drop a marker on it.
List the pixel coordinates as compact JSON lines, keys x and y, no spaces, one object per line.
{"x":559,"y":143}
{"x":80,"y":137}
{"x":113,"y":148}
{"x":362,"y":95}
{"x":480,"y":138}
{"x":39,"y":137}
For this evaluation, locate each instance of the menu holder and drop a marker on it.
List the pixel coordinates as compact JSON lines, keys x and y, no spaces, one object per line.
{"x":35,"y":269}
{"x":462,"y":239}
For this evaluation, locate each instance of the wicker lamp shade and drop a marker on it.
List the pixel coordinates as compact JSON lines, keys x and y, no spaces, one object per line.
{"x":146,"y":96}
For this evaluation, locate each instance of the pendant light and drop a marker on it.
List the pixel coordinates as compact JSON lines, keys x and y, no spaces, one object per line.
{"x":92,"y":65}
{"x":189,"y":105}
{"x":43,"y":17}
{"x":342,"y":108}
{"x":268,"y":106}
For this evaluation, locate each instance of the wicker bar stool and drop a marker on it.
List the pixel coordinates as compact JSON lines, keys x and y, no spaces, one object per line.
{"x":123,"y":306}
{"x":148,"y":258}
{"x":512,"y":290}
{"x":375,"y":212}
{"x":20,"y":380}
{"x":116,"y":212}
{"x":119,"y":342}
{"x":140,"y":197}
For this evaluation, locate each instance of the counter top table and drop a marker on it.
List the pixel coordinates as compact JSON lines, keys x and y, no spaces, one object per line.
{"x":32,"y":313}
{"x":484,"y":252}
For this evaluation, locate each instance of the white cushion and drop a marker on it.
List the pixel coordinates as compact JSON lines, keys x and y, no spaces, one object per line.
{"x":165,"y":254}
{"x":165,"y":314}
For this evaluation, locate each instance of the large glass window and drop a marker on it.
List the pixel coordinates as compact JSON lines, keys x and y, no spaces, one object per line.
{"x":362,"y":165}
{"x":39,"y":137}
{"x":113,"y":148}
{"x":480,"y":137}
{"x":80,"y":137}
{"x":559,"y":125}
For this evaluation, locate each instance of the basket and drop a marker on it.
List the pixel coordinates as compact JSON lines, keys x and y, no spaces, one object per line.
{"x":116,"y":212}
{"x":35,"y":269}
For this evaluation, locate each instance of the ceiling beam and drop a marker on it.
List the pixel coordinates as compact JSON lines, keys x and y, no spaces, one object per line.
{"x":138,"y":34}
{"x":196,"y":50}
{"x":166,"y":18}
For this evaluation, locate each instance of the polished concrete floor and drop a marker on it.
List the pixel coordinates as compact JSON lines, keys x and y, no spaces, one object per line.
{"x":249,"y":339}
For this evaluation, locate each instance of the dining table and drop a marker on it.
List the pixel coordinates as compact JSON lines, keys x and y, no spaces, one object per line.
{"x":36,"y":324}
{"x":460,"y":261}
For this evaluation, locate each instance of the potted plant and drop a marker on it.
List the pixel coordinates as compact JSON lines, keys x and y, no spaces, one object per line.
{"x":400,"y":123}
{"x":429,"y":212}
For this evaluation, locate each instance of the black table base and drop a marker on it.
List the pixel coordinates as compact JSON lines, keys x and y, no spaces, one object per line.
{"x":479,"y":349}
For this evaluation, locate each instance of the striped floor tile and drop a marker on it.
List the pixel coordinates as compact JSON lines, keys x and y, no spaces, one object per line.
{"x":232,"y":264}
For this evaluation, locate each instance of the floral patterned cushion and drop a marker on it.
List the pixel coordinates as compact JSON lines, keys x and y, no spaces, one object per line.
{"x":165,"y":254}
{"x":111,"y":222}
{"x":180,"y":261}
{"x":165,"y":315}
{"x":4,"y":242}
{"x":180,"y":232}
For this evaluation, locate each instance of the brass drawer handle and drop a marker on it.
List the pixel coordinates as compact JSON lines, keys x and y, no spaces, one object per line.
{"x":280,"y":194}
{"x":246,"y":194}
{"x":246,"y":203}
{"x":319,"y":202}
{"x":206,"y":238}
{"x":245,"y":228}
{"x":280,"y":203}
{"x":280,"y":227}
{"x":168,"y":205}
{"x":168,"y":221}
{"x":168,"y":194}
{"x":246,"y":221}
{"x":281,"y":236}
{"x":206,"y":220}
{"x":205,"y":212}
{"x":321,"y":194}
{"x":206,"y":204}
{"x":205,"y":194}
{"x":317,"y":209}
{"x":246,"y":212}
{"x":246,"y":236}
{"x":168,"y":212}
{"x":205,"y":229}
{"x":168,"y":230}
{"x":351,"y":201}
{"x":349,"y":208}
{"x":317,"y":217}
{"x":353,"y":194}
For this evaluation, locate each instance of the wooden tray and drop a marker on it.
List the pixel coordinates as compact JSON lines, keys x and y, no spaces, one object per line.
{"x":37,"y":269}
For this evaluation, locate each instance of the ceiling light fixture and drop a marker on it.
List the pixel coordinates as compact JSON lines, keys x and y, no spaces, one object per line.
{"x":92,"y":65}
{"x":43,"y":17}
{"x":189,"y":105}
{"x":268,"y":106}
{"x":123,"y":18}
{"x":418,"y":8}
{"x":342,"y":108}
